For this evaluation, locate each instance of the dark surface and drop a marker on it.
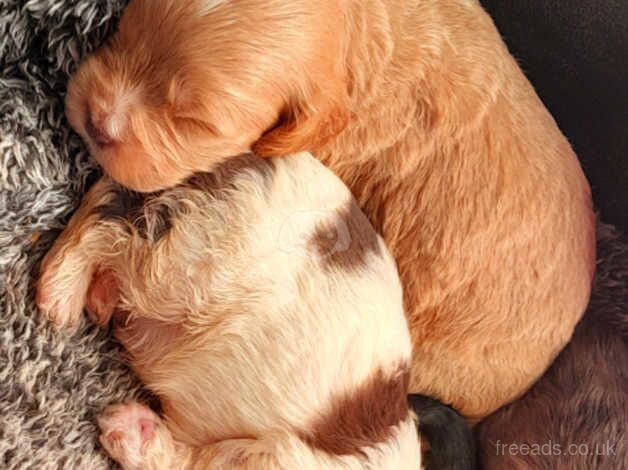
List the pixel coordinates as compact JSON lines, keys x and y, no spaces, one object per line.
{"x":575,"y":53}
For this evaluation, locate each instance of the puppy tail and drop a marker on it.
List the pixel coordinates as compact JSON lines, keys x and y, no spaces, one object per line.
{"x":451,"y":443}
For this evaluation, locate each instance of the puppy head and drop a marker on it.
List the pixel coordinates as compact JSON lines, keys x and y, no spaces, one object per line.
{"x":183,"y":85}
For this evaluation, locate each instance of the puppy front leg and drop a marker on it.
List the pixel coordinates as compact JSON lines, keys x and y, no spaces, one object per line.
{"x":67,"y":270}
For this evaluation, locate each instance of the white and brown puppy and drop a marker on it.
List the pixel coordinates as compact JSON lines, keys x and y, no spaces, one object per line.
{"x":261,"y":307}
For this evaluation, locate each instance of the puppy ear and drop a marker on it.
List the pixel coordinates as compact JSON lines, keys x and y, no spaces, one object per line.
{"x":305,"y":125}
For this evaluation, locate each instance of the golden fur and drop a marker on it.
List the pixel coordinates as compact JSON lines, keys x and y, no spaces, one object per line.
{"x":422,"y":112}
{"x":265,"y":352}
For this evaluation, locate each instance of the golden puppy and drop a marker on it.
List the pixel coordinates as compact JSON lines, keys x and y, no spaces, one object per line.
{"x":422,"y":112}
{"x":260,"y":306}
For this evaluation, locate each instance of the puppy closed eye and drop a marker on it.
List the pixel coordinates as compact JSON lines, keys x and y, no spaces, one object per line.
{"x":193,"y":125}
{"x":184,"y":105}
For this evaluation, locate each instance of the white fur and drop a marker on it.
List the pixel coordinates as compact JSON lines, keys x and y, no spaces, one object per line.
{"x":261,"y":337}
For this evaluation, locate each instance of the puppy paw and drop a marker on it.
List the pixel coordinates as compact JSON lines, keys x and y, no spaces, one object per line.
{"x":126,"y":432}
{"x":102,"y":297}
{"x":61,"y":288}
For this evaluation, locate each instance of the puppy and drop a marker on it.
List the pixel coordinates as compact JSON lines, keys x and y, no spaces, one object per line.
{"x":259,"y":305}
{"x":421,"y":111}
{"x":575,"y":416}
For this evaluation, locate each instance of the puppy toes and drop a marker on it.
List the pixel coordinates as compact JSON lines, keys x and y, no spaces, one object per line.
{"x":126,"y":431}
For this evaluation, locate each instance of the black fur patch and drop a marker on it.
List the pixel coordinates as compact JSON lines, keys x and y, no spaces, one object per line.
{"x":451,"y":442}
{"x":124,"y":204}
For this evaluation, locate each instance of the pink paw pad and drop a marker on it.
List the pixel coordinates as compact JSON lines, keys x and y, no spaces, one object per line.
{"x":126,"y":430}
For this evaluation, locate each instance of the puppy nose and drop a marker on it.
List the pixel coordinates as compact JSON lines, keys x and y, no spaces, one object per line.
{"x":96,"y":130}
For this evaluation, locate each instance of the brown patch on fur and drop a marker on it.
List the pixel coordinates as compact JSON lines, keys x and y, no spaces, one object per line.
{"x":346,"y":241}
{"x":363,"y":418}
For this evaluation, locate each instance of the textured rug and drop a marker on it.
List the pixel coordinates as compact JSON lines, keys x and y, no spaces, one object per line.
{"x":51,"y":386}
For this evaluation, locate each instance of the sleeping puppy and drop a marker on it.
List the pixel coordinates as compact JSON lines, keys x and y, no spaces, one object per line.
{"x":260,"y":306}
{"x":421,"y":111}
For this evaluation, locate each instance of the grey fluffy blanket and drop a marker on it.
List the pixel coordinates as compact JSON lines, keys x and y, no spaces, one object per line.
{"x":51,"y":386}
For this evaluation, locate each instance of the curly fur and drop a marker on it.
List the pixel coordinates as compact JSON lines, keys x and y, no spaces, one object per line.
{"x":265,"y":351}
{"x":52,"y":385}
